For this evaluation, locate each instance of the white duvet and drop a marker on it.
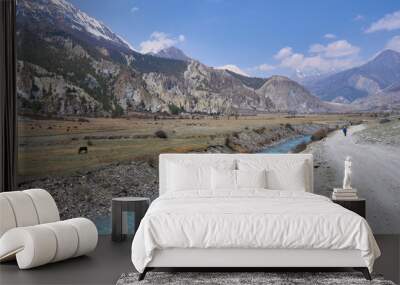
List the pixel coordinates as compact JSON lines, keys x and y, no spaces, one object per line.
{"x":250,"y":219}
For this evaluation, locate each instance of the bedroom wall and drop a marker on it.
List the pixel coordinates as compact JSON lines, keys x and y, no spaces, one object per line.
{"x":93,"y":113}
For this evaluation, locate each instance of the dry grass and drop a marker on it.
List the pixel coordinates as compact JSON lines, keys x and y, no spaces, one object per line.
{"x":50,"y":147}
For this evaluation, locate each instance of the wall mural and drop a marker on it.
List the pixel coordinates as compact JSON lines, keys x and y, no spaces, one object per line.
{"x":95,"y":112}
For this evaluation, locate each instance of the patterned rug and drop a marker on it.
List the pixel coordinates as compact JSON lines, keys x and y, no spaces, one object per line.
{"x":243,"y":278}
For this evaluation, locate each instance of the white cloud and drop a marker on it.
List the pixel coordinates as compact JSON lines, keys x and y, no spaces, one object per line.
{"x":134,"y":9}
{"x":283,"y":53}
{"x":233,"y":68}
{"x":359,"y":17}
{"x":329,"y":36}
{"x":389,"y":22}
{"x":159,"y":41}
{"x":335,"y":56}
{"x":340,"y":48}
{"x":292,"y":61}
{"x":394,"y":43}
{"x":316,"y":48}
{"x":313,"y":64}
{"x":265,"y":67}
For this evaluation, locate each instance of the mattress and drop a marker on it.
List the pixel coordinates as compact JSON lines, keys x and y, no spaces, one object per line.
{"x":250,"y":219}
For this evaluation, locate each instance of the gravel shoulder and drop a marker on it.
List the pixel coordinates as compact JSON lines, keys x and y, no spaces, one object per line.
{"x":89,"y":193}
{"x":381,"y":133}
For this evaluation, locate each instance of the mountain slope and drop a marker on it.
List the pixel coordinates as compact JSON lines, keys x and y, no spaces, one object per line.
{"x":72,"y":64}
{"x":367,"y":79}
{"x":68,"y":18}
{"x":287,"y":94}
{"x":252,"y":82}
{"x":52,"y":20}
{"x":386,"y":100}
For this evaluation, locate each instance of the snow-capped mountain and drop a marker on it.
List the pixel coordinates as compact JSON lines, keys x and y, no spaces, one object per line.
{"x":68,"y":17}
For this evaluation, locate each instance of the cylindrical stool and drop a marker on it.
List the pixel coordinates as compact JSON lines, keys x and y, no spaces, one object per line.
{"x":120,"y":207}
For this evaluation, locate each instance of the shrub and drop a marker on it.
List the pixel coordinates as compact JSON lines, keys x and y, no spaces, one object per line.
{"x":36,"y":106}
{"x":117,"y":112}
{"x":175,"y":110}
{"x":357,"y":122}
{"x":289,"y":126}
{"x":150,"y":159}
{"x":319,"y":135}
{"x":161,"y":134}
{"x":89,"y":143}
{"x":260,"y":130}
{"x":300,"y":147}
{"x":228,"y":141}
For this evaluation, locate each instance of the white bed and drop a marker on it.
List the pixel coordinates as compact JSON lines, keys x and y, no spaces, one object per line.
{"x":248,"y":227}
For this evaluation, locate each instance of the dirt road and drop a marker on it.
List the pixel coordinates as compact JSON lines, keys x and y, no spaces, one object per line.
{"x":376,"y":175}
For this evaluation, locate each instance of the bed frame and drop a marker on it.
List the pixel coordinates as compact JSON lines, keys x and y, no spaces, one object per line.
{"x":363,"y":270}
{"x":246,"y":259}
{"x":233,"y":259}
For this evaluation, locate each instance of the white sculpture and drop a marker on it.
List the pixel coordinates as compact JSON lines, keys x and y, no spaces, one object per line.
{"x":347,"y":173}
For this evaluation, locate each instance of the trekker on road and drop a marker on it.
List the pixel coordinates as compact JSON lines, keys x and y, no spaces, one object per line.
{"x":344,"y":131}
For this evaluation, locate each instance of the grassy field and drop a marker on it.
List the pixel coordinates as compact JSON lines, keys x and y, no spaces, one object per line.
{"x":50,"y":147}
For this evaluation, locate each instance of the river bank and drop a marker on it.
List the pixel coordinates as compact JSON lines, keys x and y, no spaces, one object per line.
{"x":257,"y":140}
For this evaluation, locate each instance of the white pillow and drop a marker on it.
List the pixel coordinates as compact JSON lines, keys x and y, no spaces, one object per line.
{"x":185,"y":178}
{"x":251,"y":178}
{"x":291,"y":176}
{"x":223,"y":179}
{"x":187,"y":174}
{"x":282,"y":174}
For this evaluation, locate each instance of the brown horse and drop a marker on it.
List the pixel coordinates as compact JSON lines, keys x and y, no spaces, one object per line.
{"x":83,"y":149}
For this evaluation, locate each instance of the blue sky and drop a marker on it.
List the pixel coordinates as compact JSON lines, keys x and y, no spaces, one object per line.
{"x":261,"y":37}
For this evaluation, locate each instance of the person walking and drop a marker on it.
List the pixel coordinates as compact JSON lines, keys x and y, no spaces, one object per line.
{"x":344,"y":131}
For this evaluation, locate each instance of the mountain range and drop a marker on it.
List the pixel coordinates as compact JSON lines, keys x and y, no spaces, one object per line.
{"x":72,"y":64}
{"x":359,"y":82}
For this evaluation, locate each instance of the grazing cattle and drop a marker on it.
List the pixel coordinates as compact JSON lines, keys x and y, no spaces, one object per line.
{"x":83,"y":149}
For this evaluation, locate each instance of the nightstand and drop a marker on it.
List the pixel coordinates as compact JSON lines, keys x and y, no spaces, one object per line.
{"x":357,"y":206}
{"x":119,"y":212}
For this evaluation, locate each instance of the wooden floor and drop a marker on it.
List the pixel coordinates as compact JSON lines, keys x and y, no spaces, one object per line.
{"x":110,"y":260}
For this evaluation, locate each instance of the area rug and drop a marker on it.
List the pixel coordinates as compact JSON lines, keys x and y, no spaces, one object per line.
{"x":269,"y":278}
